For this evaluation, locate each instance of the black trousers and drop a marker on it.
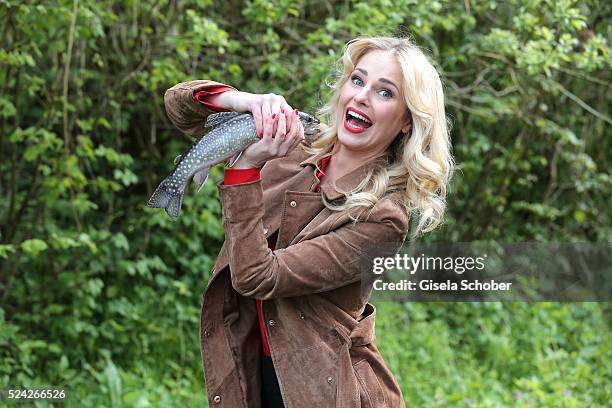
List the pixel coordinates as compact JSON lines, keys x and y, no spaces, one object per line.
{"x":270,"y":392}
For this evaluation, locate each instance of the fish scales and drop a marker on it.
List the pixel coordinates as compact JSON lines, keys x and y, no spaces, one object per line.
{"x":231,"y":133}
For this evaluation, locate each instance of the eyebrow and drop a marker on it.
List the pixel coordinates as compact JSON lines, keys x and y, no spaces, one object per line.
{"x":380,"y":79}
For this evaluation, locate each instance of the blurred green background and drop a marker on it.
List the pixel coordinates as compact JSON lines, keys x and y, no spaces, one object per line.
{"x":100,"y":295}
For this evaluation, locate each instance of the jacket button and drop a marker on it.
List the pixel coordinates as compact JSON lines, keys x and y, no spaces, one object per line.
{"x":217,"y":399}
{"x":265,"y":231}
{"x":293,"y":204}
{"x":206,"y":333}
{"x":302,"y":316}
{"x":330,"y":380}
{"x":271,"y":322}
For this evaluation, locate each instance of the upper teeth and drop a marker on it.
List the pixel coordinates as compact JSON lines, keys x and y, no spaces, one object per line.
{"x":358,"y":116}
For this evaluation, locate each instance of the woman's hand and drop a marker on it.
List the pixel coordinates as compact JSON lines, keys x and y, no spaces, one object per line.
{"x":276,"y":122}
{"x":275,"y":142}
{"x":263,"y":107}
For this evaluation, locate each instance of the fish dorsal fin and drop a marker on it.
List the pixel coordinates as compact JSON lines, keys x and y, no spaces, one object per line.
{"x":217,"y":118}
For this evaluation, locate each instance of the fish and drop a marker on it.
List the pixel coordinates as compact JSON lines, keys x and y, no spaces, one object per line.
{"x":230,"y":133}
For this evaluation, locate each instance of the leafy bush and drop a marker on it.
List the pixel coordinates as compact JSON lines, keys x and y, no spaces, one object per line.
{"x":101,"y":295}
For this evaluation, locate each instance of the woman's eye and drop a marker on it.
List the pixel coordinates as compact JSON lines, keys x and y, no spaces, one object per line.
{"x":385,"y":93}
{"x":356,"y":80}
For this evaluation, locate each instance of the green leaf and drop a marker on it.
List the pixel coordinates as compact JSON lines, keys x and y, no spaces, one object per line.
{"x":87,"y":241}
{"x":6,"y":249}
{"x":126,"y":176}
{"x":85,"y":125}
{"x":7,"y":109}
{"x":579,"y":216}
{"x":34,"y":246}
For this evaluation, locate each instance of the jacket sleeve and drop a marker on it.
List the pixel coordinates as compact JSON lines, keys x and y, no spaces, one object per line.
{"x":184,"y":110}
{"x":317,"y":265}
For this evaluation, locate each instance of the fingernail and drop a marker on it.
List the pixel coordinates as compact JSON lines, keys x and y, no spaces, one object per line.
{"x":282,"y":111}
{"x":260,"y":134}
{"x":274,"y":116}
{"x":295,"y":111}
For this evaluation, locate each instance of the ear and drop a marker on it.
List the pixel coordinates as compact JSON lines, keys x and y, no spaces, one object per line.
{"x":407,"y":128}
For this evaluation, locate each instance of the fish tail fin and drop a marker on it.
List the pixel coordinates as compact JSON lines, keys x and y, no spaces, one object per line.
{"x":164,"y":197}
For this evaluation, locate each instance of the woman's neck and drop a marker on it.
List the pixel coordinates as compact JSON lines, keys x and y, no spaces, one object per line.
{"x":345,"y":161}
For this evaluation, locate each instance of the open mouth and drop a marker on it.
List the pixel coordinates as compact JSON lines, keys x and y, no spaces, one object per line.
{"x":357,"y":120}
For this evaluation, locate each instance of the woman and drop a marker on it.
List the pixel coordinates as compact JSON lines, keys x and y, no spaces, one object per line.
{"x":285,"y":319}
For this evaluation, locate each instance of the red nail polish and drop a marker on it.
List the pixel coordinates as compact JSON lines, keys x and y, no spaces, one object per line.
{"x":260,"y":134}
{"x":274,"y":116}
{"x":295,"y":111}
{"x":283,"y":111}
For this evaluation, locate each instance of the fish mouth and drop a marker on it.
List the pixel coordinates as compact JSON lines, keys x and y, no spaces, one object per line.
{"x":309,"y":123}
{"x":309,"y":119}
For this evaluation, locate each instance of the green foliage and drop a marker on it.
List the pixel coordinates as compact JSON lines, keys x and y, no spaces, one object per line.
{"x":494,"y":354}
{"x":100,"y":294}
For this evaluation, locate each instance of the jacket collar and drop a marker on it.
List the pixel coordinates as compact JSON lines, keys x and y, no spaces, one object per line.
{"x":346,"y":183}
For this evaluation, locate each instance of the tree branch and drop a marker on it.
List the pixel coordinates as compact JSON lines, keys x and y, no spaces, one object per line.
{"x":582,"y":103}
{"x":75,"y":6}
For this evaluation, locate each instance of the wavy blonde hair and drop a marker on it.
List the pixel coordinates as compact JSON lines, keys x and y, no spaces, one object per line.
{"x":418,"y":164}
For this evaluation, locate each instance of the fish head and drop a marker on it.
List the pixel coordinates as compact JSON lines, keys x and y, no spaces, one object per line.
{"x":310,"y":124}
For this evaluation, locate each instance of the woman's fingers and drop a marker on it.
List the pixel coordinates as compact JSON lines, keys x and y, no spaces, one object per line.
{"x":255,"y":105}
{"x":285,"y":110}
{"x":299,"y":136}
{"x":273,"y":103}
{"x":268,"y":122}
{"x":267,"y":110}
{"x":258,"y":118}
{"x":293,"y":139}
{"x":274,"y":118}
{"x":281,"y":128}
{"x":289,"y":116}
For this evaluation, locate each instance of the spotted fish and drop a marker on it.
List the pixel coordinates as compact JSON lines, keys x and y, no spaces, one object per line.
{"x":231,"y":133}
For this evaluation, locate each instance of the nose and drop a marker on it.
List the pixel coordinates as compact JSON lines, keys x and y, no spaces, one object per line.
{"x":362,"y":96}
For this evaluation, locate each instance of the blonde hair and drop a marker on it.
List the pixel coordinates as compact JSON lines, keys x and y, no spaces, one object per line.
{"x":418,"y":164}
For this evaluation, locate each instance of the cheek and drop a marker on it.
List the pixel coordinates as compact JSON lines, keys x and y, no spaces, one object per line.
{"x":347,"y":91}
{"x":388,"y":113}
{"x":392,"y":116}
{"x":344,"y":97}
{"x":343,"y":100}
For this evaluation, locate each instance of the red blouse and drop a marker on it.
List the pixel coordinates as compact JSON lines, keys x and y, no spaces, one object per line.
{"x":238,"y":176}
{"x":202,"y":96}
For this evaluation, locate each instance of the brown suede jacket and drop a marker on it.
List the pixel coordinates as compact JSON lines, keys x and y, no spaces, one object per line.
{"x":319,"y":324}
